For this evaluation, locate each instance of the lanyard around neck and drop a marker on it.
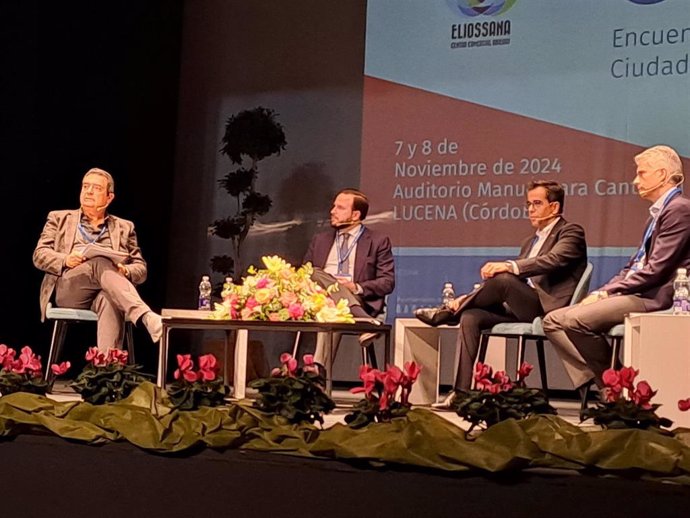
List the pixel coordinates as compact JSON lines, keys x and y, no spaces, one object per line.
{"x":87,"y":237}
{"x":652,"y":225}
{"x":343,"y":258}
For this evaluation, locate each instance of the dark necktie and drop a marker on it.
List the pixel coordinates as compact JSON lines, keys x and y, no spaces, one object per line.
{"x":344,"y":260}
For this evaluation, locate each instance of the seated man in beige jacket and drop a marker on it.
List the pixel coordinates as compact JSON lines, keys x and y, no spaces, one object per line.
{"x":91,"y":260}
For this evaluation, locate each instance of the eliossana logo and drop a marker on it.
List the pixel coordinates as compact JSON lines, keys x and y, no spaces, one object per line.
{"x":474,"y":8}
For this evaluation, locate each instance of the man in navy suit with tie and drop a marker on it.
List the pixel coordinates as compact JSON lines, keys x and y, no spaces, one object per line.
{"x":644,"y":284}
{"x":359,"y":259}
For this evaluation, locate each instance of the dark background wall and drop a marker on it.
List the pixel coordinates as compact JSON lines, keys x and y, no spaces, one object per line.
{"x":142,"y":88}
{"x":83,"y":84}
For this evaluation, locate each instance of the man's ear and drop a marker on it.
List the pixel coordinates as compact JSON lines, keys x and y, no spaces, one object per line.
{"x":356,"y":215}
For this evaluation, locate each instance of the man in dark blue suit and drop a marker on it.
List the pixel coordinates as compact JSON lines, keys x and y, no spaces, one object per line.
{"x":359,"y":259}
{"x":644,"y":284}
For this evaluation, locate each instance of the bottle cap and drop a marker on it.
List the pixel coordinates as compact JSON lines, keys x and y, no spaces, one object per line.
{"x":682,"y":271}
{"x":205,"y":278}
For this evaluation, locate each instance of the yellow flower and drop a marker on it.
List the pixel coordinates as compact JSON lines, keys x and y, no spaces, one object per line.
{"x":315,"y":302}
{"x":339,"y":312}
{"x":263,"y":295}
{"x":275,"y":263}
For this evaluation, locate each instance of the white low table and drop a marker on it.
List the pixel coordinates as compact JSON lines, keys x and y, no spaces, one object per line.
{"x":418,"y":342}
{"x":658,"y":344}
{"x":194,"y":319}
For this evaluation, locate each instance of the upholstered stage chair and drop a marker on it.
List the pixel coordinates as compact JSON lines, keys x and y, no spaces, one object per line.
{"x":525,"y":331}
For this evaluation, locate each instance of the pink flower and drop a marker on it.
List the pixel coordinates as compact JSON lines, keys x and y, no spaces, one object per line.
{"x":30,"y":360}
{"x":16,"y":366}
{"x":308,"y":359}
{"x":524,"y":371}
{"x":96,"y":357}
{"x":495,"y":388}
{"x":611,"y":378}
{"x":276,"y":372}
{"x":412,"y":371}
{"x":4,"y":352}
{"x":482,"y":371}
{"x":289,"y":362}
{"x":502,"y":380}
{"x":627,"y":377}
{"x":262,"y":283}
{"x":383,"y":401}
{"x":392,"y":379}
{"x":208,"y":362}
{"x":117,"y":356}
{"x":251,"y":303}
{"x":684,"y":405}
{"x":484,"y":383}
{"x":274,"y":317}
{"x":8,"y":358}
{"x":185,"y":368}
{"x":206,"y":375}
{"x":60,"y":368}
{"x":613,"y":393}
{"x":643,"y":394}
{"x":296,"y":311}
{"x":208,"y":367}
{"x":287,"y":298}
{"x":368,"y":375}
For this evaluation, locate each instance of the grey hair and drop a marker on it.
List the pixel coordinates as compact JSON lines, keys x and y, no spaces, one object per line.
{"x":104,"y":174}
{"x":666,"y":157}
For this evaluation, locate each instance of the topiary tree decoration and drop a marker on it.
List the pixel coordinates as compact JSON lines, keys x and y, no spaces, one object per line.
{"x":250,"y":136}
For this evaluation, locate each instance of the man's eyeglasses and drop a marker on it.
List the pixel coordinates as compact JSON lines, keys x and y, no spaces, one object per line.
{"x":94,"y":187}
{"x":537,"y":204}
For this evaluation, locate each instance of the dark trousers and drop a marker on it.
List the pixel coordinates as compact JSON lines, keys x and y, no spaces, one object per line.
{"x":503,"y":298}
{"x":353,"y":301}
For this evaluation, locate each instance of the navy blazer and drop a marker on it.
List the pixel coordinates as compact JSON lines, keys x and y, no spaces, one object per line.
{"x":667,"y":249}
{"x":374,"y":268}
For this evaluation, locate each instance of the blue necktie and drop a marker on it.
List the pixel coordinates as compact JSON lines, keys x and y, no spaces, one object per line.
{"x":344,"y":259}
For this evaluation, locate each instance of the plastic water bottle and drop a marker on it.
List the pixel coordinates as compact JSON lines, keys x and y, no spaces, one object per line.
{"x":681,"y":292}
{"x":448,"y":293}
{"x":205,"y":293}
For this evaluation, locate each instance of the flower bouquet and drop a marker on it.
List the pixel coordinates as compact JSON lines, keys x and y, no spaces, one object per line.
{"x":497,"y":398}
{"x":279,"y":292}
{"x":107,"y":377}
{"x":381,"y":390}
{"x":23,"y":373}
{"x":192,"y":389}
{"x":626,"y":405}
{"x":294,"y":392}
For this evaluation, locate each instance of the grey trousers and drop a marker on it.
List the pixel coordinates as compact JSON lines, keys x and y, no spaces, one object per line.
{"x":97,"y":285}
{"x":578,"y":333}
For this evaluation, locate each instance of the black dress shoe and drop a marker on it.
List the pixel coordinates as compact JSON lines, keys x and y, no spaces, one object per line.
{"x":436,"y":316}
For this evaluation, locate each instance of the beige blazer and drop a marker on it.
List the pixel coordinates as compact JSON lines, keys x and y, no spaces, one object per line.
{"x":57,"y":239}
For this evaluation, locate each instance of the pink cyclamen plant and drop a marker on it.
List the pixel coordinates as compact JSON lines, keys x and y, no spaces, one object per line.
{"x":618,"y":381}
